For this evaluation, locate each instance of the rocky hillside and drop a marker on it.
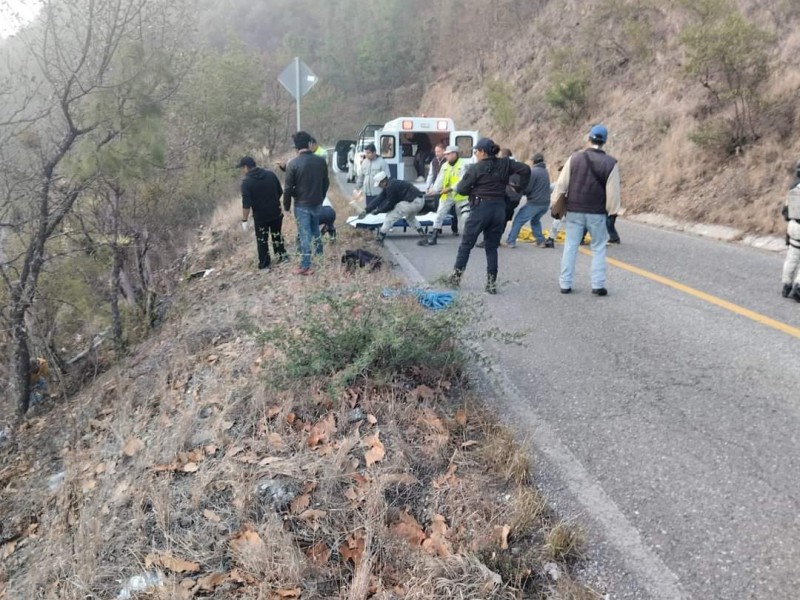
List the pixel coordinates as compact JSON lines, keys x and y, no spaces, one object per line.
{"x":700,"y":96}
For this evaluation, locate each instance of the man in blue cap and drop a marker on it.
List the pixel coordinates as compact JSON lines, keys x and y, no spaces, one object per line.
{"x":590,"y":182}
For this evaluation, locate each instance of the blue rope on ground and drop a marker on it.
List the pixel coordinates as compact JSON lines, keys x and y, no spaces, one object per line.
{"x":429,"y":299}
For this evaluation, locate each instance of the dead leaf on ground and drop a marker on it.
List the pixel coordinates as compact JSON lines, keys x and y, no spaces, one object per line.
{"x":211,"y":449}
{"x":132,"y":447}
{"x":246,"y":540}
{"x":286,"y":593}
{"x":377,"y":450}
{"x":211,"y":516}
{"x":353,"y":548}
{"x":461,"y":417}
{"x":100,"y":469}
{"x":421,"y":392}
{"x":372,"y":419}
{"x":8,"y":548}
{"x":190,"y":467}
{"x":273,"y":411}
{"x":171,"y":563}
{"x":322,"y":431}
{"x":88,"y":485}
{"x":209,"y":583}
{"x":275,"y":441}
{"x":500,"y":536}
{"x":430,"y":420}
{"x":446,"y":479}
{"x":300,"y":503}
{"x":319,"y":554}
{"x":408,"y":527}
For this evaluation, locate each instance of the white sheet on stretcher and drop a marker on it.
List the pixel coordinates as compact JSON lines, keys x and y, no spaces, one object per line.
{"x":371,"y":221}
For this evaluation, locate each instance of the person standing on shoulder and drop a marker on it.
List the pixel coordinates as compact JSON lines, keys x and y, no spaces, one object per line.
{"x":307,"y":182}
{"x":791,"y":266}
{"x":371,"y":166}
{"x":590,"y":182}
{"x":446,"y":182}
{"x":536,"y":204}
{"x":318,"y":150}
{"x":261,"y":194}
{"x":485,"y":184}
{"x":400,"y":200}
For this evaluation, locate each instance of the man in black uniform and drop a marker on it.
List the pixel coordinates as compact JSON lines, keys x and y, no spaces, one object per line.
{"x":261,"y":193}
{"x":485,"y":183}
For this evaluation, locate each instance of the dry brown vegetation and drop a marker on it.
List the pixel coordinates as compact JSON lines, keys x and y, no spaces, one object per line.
{"x":638,"y":86}
{"x":197,"y":468}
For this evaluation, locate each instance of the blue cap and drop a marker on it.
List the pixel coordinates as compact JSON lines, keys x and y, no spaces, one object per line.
{"x":598,"y":133}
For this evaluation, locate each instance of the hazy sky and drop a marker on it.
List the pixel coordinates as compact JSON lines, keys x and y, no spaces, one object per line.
{"x":14,"y":13}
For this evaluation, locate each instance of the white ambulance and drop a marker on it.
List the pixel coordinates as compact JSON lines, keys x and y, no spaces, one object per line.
{"x":400,"y":140}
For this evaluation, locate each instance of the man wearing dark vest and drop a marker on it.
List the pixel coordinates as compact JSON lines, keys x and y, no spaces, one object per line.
{"x":590,"y":181}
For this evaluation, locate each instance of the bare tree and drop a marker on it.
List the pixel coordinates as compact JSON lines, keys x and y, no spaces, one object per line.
{"x":57,"y":70}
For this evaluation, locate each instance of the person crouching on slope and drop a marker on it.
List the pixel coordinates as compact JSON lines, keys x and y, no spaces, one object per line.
{"x":485,"y":184}
{"x":791,"y":267}
{"x":400,"y":200}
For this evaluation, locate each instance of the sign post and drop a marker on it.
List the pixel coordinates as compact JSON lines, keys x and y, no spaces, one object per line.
{"x":298,"y":79}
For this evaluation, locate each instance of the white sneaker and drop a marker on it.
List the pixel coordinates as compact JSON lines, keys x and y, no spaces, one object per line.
{"x":420,"y":179}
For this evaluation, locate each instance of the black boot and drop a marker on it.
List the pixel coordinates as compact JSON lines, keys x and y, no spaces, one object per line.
{"x":380,"y":238}
{"x":491,"y":283}
{"x":787,"y":289}
{"x":454,"y":280}
{"x":795,"y":292}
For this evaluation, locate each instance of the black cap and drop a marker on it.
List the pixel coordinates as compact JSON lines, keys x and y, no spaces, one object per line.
{"x":537,"y":158}
{"x":246,"y":161}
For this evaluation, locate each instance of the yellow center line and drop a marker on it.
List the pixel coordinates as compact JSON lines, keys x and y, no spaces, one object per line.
{"x":730,"y":306}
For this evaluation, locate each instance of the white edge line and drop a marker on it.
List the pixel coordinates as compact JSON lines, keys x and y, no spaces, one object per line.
{"x":652,"y":573}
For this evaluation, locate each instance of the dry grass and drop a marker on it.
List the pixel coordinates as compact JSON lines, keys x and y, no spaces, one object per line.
{"x":564,"y":541}
{"x":194,"y":464}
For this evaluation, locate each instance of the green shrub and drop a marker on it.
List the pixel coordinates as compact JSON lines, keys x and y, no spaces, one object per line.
{"x":345,"y":337}
{"x":501,"y":104}
{"x":569,"y":86}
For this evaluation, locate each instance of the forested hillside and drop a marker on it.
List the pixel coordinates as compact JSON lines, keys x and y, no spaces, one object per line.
{"x":700,"y":96}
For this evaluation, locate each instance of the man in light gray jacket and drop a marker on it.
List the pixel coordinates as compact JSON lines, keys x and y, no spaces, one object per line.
{"x":371,"y":166}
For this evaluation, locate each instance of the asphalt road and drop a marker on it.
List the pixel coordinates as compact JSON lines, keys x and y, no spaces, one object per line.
{"x":667,"y":425}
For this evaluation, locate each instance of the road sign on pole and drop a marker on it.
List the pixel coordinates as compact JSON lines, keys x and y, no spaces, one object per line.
{"x":298,"y":79}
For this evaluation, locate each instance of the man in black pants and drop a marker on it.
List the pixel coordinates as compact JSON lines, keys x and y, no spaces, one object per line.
{"x":261,"y":193}
{"x":485,"y":183}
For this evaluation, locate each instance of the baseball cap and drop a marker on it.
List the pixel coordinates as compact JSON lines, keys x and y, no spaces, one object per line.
{"x":450,"y":149}
{"x":485,"y":145}
{"x":379,"y":176}
{"x":537,"y":158}
{"x":599,"y":134}
{"x":246,"y":161}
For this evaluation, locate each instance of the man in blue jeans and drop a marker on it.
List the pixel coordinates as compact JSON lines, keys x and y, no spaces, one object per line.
{"x":537,"y":203}
{"x":590,"y":181}
{"x":307,"y":182}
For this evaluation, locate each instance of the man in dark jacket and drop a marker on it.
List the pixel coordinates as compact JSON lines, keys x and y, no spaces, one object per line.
{"x":399,"y":200}
{"x":307,"y":182}
{"x":537,"y":202}
{"x":485,"y":183}
{"x":261,"y":194}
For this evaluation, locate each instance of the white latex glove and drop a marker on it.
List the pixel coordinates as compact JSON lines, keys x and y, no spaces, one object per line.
{"x":244,"y":225}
